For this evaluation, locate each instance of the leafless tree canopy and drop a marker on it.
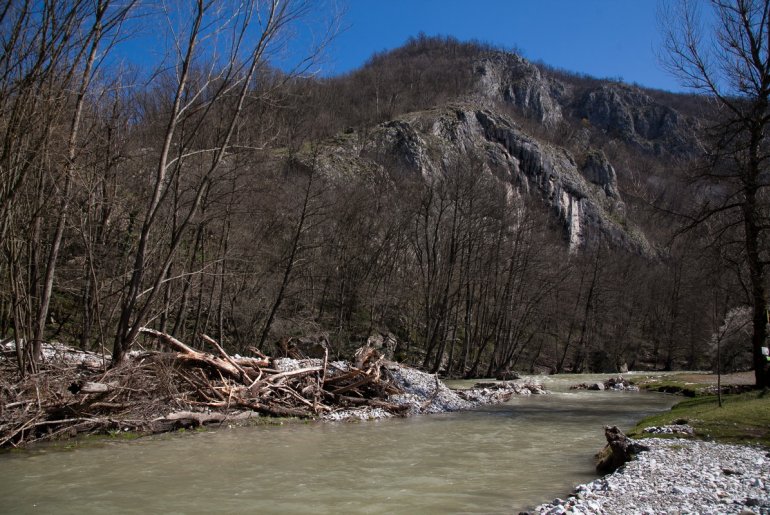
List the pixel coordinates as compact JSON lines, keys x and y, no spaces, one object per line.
{"x":730,"y":63}
{"x":189,"y":199}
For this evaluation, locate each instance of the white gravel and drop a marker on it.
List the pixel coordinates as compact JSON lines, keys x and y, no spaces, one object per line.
{"x":678,"y":476}
{"x":424,"y":393}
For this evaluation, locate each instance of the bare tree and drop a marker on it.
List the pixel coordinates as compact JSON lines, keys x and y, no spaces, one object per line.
{"x":52,"y":52}
{"x":218,"y":95}
{"x":731,"y":65}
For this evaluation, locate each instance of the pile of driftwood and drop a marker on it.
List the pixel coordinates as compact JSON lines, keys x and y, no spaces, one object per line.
{"x":183,"y":387}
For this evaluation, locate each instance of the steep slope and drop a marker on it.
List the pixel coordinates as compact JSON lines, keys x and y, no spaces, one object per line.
{"x":514,"y":80}
{"x":584,"y":196}
{"x":540,"y":135}
{"x":616,"y":110}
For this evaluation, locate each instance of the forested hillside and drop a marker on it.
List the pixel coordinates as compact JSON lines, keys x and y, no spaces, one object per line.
{"x":480,"y":212}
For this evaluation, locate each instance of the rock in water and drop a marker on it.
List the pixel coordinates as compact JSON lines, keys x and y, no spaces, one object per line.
{"x":596,"y":386}
{"x":619,"y":450}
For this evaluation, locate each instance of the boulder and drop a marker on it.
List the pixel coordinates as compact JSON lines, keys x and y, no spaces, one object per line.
{"x":385,"y":343}
{"x":579,"y":386}
{"x":596,"y":386}
{"x":619,"y":383}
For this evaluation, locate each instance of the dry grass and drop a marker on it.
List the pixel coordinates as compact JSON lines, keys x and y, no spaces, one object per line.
{"x":694,"y":384}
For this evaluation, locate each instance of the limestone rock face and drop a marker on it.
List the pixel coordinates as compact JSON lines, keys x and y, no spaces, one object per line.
{"x":516,"y":81}
{"x":626,"y":112}
{"x":584,"y":198}
{"x":614,"y":109}
{"x":398,"y":144}
{"x":584,"y":209}
{"x":598,"y":170}
{"x":557,"y":161}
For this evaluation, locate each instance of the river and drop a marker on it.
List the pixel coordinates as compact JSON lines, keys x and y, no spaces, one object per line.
{"x":501,"y":459}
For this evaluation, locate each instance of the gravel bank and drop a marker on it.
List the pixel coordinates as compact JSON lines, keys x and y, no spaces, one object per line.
{"x":678,"y":476}
{"x":423,"y":393}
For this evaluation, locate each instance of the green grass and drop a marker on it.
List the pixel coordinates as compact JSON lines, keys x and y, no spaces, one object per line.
{"x":672,"y":385}
{"x":743,"y":418}
{"x":690,"y":384}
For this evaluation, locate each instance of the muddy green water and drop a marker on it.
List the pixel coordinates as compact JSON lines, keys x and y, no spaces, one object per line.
{"x":497,"y":460}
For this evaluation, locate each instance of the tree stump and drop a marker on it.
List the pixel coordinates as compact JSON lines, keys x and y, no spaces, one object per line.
{"x":619,"y":450}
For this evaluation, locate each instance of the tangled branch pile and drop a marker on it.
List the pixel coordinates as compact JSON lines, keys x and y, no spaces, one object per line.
{"x":161,"y":391}
{"x":158,"y":391}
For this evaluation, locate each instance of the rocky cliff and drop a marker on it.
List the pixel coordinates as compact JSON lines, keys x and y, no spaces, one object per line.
{"x":616,"y":110}
{"x":584,"y":196}
{"x":515,"y":120}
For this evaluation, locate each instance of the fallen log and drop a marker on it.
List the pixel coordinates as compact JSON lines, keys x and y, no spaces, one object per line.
{"x":226,"y":356}
{"x":191,"y":355}
{"x":154,"y":382}
{"x":189,"y":419}
{"x":86,"y":387}
{"x":361,"y":382}
{"x":251,"y":362}
{"x":275,"y":411}
{"x":344,"y":377}
{"x":294,"y":373}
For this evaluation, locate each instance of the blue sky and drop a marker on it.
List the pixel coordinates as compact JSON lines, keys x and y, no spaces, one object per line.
{"x":603,"y":38}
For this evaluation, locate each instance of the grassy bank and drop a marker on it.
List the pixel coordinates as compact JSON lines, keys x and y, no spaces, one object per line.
{"x":743,"y":418}
{"x":695,"y":384}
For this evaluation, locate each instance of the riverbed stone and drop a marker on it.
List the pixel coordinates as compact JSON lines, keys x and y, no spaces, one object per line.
{"x":682,"y":429}
{"x":423,"y":393}
{"x":689,"y":478}
{"x":596,"y":386}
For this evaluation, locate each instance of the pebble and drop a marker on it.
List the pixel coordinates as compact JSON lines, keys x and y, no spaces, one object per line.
{"x":678,"y":476}
{"x":683,"y":429}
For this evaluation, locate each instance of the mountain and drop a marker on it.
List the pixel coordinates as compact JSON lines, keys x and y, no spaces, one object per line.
{"x":479,"y":212}
{"x":542,"y":133}
{"x":584,"y":196}
{"x":520,"y":215}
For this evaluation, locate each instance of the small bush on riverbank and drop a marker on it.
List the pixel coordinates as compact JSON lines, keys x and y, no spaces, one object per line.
{"x":743,"y":418}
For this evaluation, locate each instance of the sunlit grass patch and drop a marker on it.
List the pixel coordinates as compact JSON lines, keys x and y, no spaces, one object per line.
{"x":743,"y":418}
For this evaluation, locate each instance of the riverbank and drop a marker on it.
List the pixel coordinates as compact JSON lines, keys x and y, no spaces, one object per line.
{"x":689,"y":475}
{"x":742,"y":419}
{"x":75,"y":393}
{"x":677,"y":476}
{"x":696,"y":384}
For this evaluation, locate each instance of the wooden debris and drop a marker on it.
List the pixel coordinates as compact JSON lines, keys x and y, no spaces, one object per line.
{"x":86,"y":387}
{"x":185,"y":387}
{"x":619,"y":450}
